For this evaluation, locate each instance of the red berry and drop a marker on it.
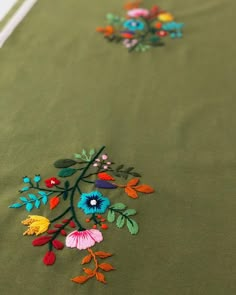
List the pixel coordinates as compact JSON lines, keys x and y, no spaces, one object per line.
{"x":99,"y":216}
{"x":104,"y":226}
{"x":87,"y":220}
{"x":94,"y":226}
{"x":103,"y":219}
{"x":162,"y":33}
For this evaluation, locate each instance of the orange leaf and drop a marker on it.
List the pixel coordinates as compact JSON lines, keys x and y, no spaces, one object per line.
{"x":131,"y":192}
{"x":133,"y":182}
{"x":105,"y":176}
{"x":80,"y":279}
{"x":88,"y":271}
{"x":106,"y":266}
{"x":86,"y":259}
{"x":109,"y":29}
{"x":132,"y":5}
{"x":54,"y":202}
{"x":100,"y":29}
{"x":144,"y":188}
{"x":103,"y":254}
{"x":100,"y":277}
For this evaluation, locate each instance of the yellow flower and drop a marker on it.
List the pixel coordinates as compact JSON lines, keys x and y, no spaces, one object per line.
{"x":165,"y":17}
{"x":36,"y":225}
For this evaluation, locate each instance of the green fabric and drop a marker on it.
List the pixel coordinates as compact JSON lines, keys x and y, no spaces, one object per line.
{"x":170,"y":112}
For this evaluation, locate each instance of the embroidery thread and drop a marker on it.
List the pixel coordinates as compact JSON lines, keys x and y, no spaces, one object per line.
{"x":65,"y":189}
{"x":141,"y":28}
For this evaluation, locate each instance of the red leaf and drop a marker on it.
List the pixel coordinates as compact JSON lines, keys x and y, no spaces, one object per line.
{"x":54,"y":202}
{"x":49,"y":258}
{"x":57,"y":244}
{"x":63,"y":232}
{"x":133,"y":182}
{"x":65,"y":220}
{"x":100,"y":277}
{"x":72,"y":224}
{"x":80,"y":279}
{"x":131,"y":192}
{"x":144,"y":188}
{"x":52,"y":231}
{"x":88,"y":271}
{"x":106,"y":266}
{"x":86,"y":259}
{"x":41,"y":241}
{"x":102,"y":254}
{"x":105,"y":176}
{"x":57,"y":225}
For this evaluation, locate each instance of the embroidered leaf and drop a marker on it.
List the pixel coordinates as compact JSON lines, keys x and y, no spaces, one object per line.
{"x":80,"y":279}
{"x":104,"y":184}
{"x":54,"y":202}
{"x":100,"y":277}
{"x":119,"y":167}
{"x":41,"y":241}
{"x":105,"y":176}
{"x":45,"y":199}
{"x":64,"y":163}
{"x":77,"y":156}
{"x":72,"y":224}
{"x":23,"y":199}
{"x":16,"y":205}
{"x":92,"y":152}
{"x":86,"y":259}
{"x":57,"y":244}
{"x":131,"y":192}
{"x":117,"y":174}
{"x":130,"y":212}
{"x":144,"y":188}
{"x":102,"y":254}
{"x":111,"y":216}
{"x":63,"y":232}
{"x":66,"y":172}
{"x":37,"y":204}
{"x":106,"y":266}
{"x":135,"y":174}
{"x":29,"y":206}
{"x":120,"y":221}
{"x":132,"y":226}
{"x":119,"y":206}
{"x":133,"y":182}
{"x":49,"y":258}
{"x":129,"y":169}
{"x":32,"y":197}
{"x":52,"y":231}
{"x":84,"y":152}
{"x":65,"y":194}
{"x":88,"y":271}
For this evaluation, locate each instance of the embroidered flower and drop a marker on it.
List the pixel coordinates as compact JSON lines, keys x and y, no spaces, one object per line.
{"x":93,"y":202}
{"x":26,"y":179}
{"x":83,"y":239}
{"x":37,"y":178}
{"x":130,"y":43}
{"x":102,"y":163}
{"x":50,"y":182}
{"x":138,"y":12}
{"x":134,"y":25}
{"x":36,"y":225}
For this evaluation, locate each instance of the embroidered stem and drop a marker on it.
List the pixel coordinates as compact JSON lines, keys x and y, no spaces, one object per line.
{"x":50,"y":190}
{"x":76,"y":186}
{"x":121,"y":213}
{"x":60,"y":216}
{"x":95,"y":262}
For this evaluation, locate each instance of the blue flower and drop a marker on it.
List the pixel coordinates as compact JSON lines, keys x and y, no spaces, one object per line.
{"x":26,"y":179}
{"x":134,"y":25}
{"x":37,"y":178}
{"x":93,"y":202}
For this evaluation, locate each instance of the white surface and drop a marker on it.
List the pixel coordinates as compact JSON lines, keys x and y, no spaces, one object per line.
{"x":15,"y":20}
{"x":5,"y":7}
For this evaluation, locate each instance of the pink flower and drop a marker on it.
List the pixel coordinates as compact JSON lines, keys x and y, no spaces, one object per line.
{"x":83,"y":239}
{"x":95,"y":164}
{"x":104,"y":157}
{"x":138,"y":12}
{"x":128,"y":44}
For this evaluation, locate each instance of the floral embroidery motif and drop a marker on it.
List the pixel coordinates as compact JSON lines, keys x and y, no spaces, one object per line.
{"x":141,"y":28}
{"x":95,"y":206}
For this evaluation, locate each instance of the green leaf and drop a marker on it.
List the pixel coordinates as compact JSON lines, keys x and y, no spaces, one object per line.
{"x":119,"y":167}
{"x":110,"y":16}
{"x":65,"y":195}
{"x":66,"y":172}
{"x":119,"y":206}
{"x":135,"y":174}
{"x":84,"y":152}
{"x":129,"y":169}
{"x":132,"y":226}
{"x":64,"y":163}
{"x":111,"y":216}
{"x":130,"y":212}
{"x":120,"y":221}
{"x":92,"y":152}
{"x":77,"y":156}
{"x":67,"y":184}
{"x":117,"y":174}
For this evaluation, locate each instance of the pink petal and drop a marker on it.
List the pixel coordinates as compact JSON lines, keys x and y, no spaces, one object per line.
{"x":96,"y":235}
{"x":85,"y":241}
{"x":71,"y":239}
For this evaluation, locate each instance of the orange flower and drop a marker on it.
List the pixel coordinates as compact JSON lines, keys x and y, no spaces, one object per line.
{"x":132,"y":5}
{"x":107,"y":31}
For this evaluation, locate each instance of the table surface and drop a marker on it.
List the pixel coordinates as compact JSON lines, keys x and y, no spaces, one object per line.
{"x":169,"y":112}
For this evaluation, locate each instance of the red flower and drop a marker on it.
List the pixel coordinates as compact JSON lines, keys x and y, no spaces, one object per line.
{"x":49,"y":258}
{"x":50,"y":182}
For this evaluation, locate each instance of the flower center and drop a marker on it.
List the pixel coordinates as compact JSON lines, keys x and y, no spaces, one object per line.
{"x":93,"y":202}
{"x":53,"y":182}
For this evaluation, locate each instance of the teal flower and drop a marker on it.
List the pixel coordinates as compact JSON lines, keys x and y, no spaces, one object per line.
{"x":37,"y":178}
{"x":93,"y":202}
{"x":26,"y":179}
{"x":134,"y":25}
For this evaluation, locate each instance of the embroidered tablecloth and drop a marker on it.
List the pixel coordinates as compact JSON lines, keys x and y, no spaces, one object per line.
{"x":167,"y":115}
